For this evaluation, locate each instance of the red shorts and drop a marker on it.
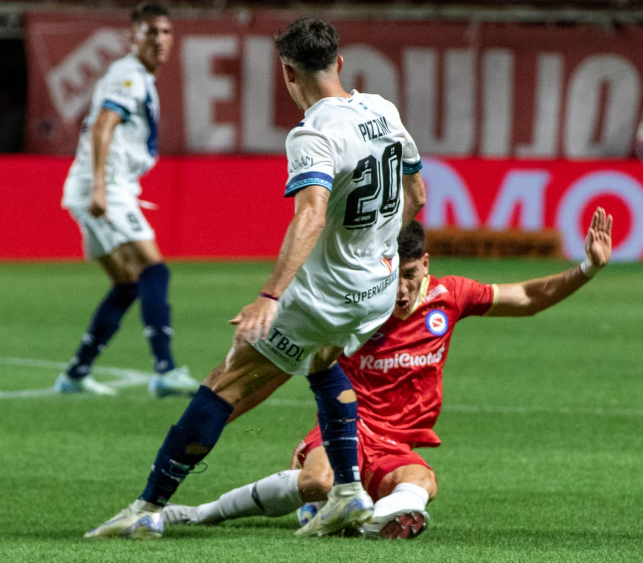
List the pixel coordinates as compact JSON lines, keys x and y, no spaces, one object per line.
{"x":378,"y":455}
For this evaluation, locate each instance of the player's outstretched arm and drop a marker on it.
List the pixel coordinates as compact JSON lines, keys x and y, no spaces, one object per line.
{"x":414,"y":197}
{"x":532,"y":296}
{"x":102,"y":135}
{"x":254,"y":320}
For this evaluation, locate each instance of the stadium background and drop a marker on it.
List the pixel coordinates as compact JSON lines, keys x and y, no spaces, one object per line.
{"x":525,"y":114}
{"x":541,"y":425}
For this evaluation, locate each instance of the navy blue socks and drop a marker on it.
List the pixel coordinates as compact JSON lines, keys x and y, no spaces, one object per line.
{"x":338,"y":422}
{"x":103,"y":326}
{"x":186,"y":444}
{"x":155,"y":311}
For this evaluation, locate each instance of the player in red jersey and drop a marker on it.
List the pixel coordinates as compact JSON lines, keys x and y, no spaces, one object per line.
{"x":397,"y":376}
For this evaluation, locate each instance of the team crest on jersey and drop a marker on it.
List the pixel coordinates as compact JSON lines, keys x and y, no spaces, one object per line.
{"x":436,"y":322}
{"x":128,"y":84}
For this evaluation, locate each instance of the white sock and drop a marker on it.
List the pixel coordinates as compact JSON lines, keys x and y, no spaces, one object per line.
{"x":405,"y":497}
{"x":275,"y":495}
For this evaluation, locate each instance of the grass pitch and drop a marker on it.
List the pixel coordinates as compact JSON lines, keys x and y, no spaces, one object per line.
{"x":542,"y":427}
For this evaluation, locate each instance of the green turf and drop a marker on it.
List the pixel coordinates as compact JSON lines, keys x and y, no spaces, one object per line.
{"x":542,"y":428}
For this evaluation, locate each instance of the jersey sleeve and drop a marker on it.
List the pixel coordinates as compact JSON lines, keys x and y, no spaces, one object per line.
{"x":472,"y":297}
{"x":411,"y":162}
{"x":310,"y":161}
{"x":123,"y":92}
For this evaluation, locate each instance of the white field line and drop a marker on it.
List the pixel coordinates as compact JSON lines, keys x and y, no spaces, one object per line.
{"x":132,"y":378}
{"x":124,"y":377}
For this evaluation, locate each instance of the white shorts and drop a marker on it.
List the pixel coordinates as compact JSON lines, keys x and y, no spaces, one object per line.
{"x":301,"y":328}
{"x":102,"y":235}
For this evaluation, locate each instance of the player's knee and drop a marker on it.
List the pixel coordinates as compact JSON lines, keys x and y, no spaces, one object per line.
{"x":418,"y":475}
{"x":431,"y":486}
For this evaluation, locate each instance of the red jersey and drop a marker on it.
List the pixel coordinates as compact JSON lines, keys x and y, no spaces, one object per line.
{"x":397,"y":374}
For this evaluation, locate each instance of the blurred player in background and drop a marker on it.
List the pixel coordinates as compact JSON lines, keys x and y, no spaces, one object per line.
{"x":397,"y":376}
{"x":118,"y":144}
{"x":354,"y":175}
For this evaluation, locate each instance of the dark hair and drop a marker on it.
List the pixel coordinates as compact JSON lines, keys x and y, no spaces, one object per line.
{"x":412,"y":242}
{"x":146,"y":10}
{"x":309,"y":43}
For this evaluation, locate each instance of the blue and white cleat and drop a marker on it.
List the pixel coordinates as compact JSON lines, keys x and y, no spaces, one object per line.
{"x":130,"y":524}
{"x":348,"y":508}
{"x":66,"y":385}
{"x":404,"y":525}
{"x":176,"y":382}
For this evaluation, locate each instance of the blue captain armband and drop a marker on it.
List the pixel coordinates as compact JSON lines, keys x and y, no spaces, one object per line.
{"x":411,"y":168}
{"x":306,"y":179}
{"x":116,"y":107}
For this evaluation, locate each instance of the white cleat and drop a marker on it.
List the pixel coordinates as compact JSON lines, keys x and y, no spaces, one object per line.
{"x":130,"y":524}
{"x":174,"y":382}
{"x":348,"y":508}
{"x":404,"y":524}
{"x":65,"y":384}
{"x":177,"y":514}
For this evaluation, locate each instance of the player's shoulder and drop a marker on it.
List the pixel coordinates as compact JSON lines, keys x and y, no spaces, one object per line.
{"x":453,"y":282}
{"x":449,"y":280}
{"x":377,"y":103}
{"x":307,"y":132}
{"x":444,"y":287}
{"x":127,"y":68}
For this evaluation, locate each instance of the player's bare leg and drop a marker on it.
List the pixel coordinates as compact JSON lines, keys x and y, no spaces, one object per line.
{"x":316,"y":477}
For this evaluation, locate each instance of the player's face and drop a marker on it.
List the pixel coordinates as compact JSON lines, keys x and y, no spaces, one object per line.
{"x":412,"y":272}
{"x":153,"y":39}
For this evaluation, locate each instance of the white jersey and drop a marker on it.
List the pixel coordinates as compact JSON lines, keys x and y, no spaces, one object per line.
{"x":358,"y":148}
{"x":128,"y":89}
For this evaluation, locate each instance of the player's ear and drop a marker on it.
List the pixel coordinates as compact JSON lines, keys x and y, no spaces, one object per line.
{"x":340,"y":63}
{"x":289,"y":73}
{"x":425,"y":263}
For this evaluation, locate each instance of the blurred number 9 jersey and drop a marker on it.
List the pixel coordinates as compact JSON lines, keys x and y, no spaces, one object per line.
{"x":358,"y":149}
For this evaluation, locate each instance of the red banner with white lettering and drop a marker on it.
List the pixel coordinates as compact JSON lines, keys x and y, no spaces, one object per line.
{"x":233,"y":207}
{"x":502,"y":90}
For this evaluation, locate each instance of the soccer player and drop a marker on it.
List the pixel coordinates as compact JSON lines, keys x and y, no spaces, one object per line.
{"x":117,"y":145}
{"x":397,"y":376}
{"x":354,"y":175}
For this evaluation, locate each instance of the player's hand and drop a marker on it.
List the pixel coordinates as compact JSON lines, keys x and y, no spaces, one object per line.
{"x":598,"y":243}
{"x":254,"y":320}
{"x":98,"y":203}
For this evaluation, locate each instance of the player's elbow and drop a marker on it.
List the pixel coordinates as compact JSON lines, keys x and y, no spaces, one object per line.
{"x":419,"y":198}
{"x":417,"y":204}
{"x":416,"y":198}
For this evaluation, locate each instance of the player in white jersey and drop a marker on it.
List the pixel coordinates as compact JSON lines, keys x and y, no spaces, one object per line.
{"x":118,"y":144}
{"x":355,"y":148}
{"x":334,"y":283}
